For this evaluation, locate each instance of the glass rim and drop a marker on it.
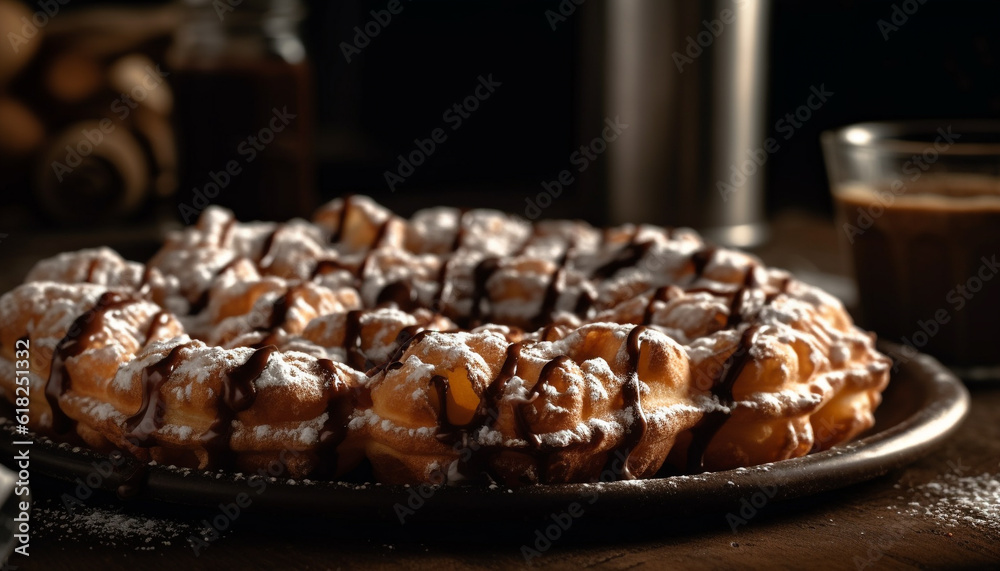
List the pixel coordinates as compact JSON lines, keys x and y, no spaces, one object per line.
{"x":913,"y":137}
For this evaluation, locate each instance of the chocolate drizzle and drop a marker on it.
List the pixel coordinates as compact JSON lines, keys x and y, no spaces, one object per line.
{"x":553,"y":291}
{"x":327,"y":266}
{"x":144,"y":283}
{"x":486,"y":414}
{"x":705,"y":430}
{"x":488,"y":409}
{"x":446,"y":430}
{"x":383,"y":231}
{"x":661,"y":294}
{"x":481,"y":274}
{"x":442,"y":284}
{"x":631,"y":400}
{"x":459,"y":230}
{"x":141,"y":425}
{"x":722,"y":387}
{"x":352,"y":339}
{"x":401,"y":293}
{"x":265,"y":249}
{"x":782,"y":289}
{"x":627,"y":257}
{"x":701,"y":258}
{"x":91,"y":267}
{"x":340,"y":402}
{"x":338,"y":234}
{"x":238,"y":393}
{"x":202,"y":302}
{"x":83,"y":329}
{"x":442,"y":276}
{"x":489,"y":405}
{"x":227,"y":228}
{"x":583,"y":303}
{"x":279,"y":311}
{"x":157,"y":323}
{"x":279,"y":314}
{"x":406,"y":334}
{"x":524,"y":428}
{"x":739,"y":297}
{"x":406,"y":337}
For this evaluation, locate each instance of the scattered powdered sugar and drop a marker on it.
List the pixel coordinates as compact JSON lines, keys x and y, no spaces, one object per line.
{"x":109,"y":527}
{"x":956,"y":501}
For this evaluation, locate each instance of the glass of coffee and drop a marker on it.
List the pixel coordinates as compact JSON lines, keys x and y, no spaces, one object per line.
{"x":918,"y":208}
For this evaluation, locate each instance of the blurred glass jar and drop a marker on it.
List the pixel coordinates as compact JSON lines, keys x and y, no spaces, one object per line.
{"x":918,"y":204}
{"x":244,"y":109}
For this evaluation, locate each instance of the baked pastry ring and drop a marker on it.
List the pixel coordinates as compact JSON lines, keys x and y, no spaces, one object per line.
{"x":450,"y":346}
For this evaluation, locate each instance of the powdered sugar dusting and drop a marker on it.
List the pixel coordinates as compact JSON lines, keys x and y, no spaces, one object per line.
{"x":257,"y":284}
{"x":109,"y":527}
{"x":960,"y":501}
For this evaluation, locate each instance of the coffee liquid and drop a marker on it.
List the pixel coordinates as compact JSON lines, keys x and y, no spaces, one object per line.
{"x":926,"y":264}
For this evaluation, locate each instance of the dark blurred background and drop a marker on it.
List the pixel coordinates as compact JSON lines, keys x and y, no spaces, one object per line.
{"x":232,"y":65}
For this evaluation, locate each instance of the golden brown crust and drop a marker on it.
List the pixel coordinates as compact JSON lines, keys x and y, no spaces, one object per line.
{"x":441,"y":347}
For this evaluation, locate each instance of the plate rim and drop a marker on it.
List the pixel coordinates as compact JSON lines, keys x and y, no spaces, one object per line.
{"x":945,"y":405}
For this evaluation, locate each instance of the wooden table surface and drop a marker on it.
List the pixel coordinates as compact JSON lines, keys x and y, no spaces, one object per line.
{"x":881,"y":524}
